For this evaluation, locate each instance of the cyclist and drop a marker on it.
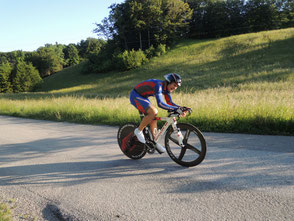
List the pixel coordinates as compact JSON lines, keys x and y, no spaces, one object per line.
{"x":158,"y":88}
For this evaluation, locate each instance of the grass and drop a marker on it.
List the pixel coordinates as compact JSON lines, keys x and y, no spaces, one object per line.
{"x":5,"y":212}
{"x":242,"y":84}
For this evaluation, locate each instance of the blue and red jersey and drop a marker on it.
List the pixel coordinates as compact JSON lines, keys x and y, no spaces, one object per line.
{"x":152,"y":87}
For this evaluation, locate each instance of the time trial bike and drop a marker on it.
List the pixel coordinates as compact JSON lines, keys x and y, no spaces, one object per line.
{"x":184,"y":143}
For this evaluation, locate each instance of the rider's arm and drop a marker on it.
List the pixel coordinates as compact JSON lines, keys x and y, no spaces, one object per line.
{"x":159,"y":99}
{"x":163,"y":105}
{"x":169,"y":100}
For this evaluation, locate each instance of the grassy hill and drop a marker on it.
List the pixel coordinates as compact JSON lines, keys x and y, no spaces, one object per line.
{"x":264,"y":57}
{"x":241,"y":83}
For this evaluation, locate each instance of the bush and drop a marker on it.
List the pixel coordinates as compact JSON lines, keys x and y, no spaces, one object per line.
{"x":98,"y":63}
{"x":160,"y":50}
{"x":150,"y":52}
{"x":113,"y":59}
{"x":133,"y":59}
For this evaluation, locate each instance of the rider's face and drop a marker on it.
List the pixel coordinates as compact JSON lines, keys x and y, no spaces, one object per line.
{"x":172,"y":86}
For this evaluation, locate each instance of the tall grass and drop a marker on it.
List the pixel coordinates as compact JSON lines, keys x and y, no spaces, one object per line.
{"x":222,"y":110}
{"x":237,"y":84}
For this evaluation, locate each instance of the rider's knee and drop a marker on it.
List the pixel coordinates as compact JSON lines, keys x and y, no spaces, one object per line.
{"x":152,"y":111}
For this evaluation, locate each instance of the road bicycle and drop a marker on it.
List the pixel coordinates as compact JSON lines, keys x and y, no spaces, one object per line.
{"x":184,"y":142}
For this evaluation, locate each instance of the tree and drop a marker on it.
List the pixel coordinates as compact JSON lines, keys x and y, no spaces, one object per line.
{"x":140,"y":23}
{"x":106,"y":29}
{"x":286,"y":12}
{"x":235,"y":10}
{"x":5,"y":72}
{"x":216,"y":19}
{"x":90,"y":46}
{"x":25,"y":77}
{"x":48,"y":59}
{"x":261,"y":15}
{"x":175,"y":19}
{"x":71,"y":55}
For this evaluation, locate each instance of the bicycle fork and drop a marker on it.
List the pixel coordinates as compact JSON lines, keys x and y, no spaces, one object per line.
{"x":178,"y":133}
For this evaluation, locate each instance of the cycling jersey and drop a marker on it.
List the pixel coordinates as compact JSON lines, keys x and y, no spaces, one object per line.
{"x":152,"y":87}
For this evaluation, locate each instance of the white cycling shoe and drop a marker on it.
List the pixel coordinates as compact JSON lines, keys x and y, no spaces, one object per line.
{"x":139,"y":134}
{"x":160,"y":148}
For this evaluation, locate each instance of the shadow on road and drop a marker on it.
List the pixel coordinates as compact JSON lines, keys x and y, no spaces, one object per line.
{"x":222,"y":170}
{"x":229,"y":165}
{"x":72,"y":173}
{"x":39,"y":148}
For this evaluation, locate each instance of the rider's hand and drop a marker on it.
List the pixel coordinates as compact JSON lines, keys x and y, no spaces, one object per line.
{"x":182,"y":111}
{"x":179,"y":110}
{"x":184,"y":114}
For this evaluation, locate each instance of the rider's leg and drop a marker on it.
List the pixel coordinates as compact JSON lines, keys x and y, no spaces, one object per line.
{"x":149,"y":119}
{"x":153,"y":127}
{"x":151,"y":114}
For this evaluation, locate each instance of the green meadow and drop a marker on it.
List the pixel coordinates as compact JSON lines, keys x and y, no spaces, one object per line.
{"x":240,"y":84}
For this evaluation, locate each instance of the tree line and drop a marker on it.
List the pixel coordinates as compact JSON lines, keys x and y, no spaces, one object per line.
{"x":230,"y":17}
{"x":142,"y":23}
{"x":23,"y":71}
{"x":137,"y":30}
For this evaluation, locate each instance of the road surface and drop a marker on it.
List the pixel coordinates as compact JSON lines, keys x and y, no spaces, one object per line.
{"x":63,"y":171}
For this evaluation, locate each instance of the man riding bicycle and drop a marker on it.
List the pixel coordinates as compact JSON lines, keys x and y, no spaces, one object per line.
{"x":158,"y":88}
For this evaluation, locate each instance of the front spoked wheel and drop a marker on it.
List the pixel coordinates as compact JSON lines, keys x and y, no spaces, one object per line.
{"x":194,"y":150}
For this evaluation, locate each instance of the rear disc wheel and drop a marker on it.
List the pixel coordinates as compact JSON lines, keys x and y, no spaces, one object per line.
{"x":129,"y":143}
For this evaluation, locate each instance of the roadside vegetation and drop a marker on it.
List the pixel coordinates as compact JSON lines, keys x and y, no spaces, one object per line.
{"x":239,"y":84}
{"x":5,"y":212}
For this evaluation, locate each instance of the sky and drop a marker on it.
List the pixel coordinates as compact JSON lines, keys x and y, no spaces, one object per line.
{"x":29,"y":24}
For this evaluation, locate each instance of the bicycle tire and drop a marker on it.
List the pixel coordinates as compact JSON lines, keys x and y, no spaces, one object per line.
{"x":129,"y":143}
{"x":191,"y":135}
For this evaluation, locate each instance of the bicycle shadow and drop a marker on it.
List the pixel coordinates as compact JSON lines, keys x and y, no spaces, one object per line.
{"x":73,"y":173}
{"x":40,"y":148}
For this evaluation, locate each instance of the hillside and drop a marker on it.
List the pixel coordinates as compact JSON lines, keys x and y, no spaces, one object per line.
{"x":241,"y":84}
{"x":250,"y":60}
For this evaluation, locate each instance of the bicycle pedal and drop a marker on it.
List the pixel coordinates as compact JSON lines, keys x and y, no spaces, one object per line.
{"x":150,"y":148}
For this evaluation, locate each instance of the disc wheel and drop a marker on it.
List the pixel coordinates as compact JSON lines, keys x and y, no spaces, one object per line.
{"x":129,"y":143}
{"x":194,"y":150}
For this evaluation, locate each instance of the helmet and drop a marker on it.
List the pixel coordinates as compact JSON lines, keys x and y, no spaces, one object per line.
{"x":173,"y":77}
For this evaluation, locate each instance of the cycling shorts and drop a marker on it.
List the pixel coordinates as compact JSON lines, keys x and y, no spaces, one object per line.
{"x":141,"y":103}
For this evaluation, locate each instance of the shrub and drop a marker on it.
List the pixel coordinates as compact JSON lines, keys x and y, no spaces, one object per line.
{"x":133,"y":59}
{"x":98,"y":63}
{"x":150,"y":52}
{"x":160,"y":50}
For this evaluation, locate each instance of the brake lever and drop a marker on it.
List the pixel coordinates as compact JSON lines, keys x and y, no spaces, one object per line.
{"x":189,"y":110}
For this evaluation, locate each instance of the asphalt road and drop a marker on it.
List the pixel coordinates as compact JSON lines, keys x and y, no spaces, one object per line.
{"x":63,"y":171}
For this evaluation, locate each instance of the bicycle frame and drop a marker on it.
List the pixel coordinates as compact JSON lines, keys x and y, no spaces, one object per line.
{"x":169,"y":121}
